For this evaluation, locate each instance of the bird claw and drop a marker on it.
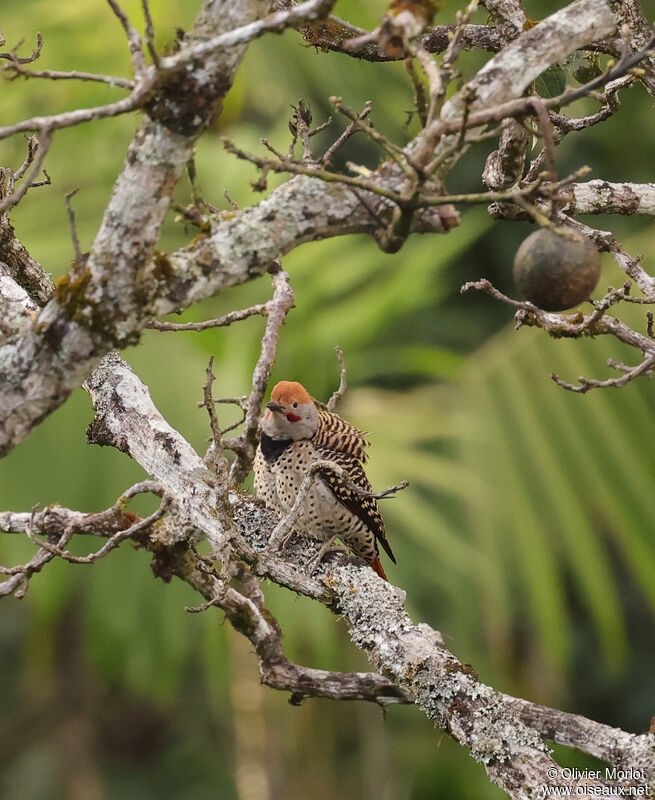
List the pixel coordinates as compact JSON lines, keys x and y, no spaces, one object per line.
{"x":314,"y":563}
{"x":285,"y":541}
{"x":278,"y":545}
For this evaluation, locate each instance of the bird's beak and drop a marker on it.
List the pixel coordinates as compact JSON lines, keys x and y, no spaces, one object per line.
{"x":273,"y":406}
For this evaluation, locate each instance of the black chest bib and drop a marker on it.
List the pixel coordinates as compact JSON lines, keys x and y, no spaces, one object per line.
{"x":273,"y":448}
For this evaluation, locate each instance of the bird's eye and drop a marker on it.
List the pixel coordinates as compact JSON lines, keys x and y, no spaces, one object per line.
{"x":295,"y":405}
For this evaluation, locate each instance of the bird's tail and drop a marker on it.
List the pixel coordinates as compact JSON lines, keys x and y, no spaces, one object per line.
{"x":377,"y":566}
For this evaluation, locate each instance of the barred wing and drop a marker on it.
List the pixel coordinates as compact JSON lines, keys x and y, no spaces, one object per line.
{"x":334,"y":433}
{"x":365,"y":508}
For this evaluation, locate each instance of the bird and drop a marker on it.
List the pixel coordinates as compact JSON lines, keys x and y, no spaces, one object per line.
{"x":295,"y":434}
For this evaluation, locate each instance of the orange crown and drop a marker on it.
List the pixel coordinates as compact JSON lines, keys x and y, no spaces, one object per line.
{"x":289,"y":392}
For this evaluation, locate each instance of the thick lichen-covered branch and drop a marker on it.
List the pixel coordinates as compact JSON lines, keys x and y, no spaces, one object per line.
{"x":411,"y":656}
{"x":612,"y":745}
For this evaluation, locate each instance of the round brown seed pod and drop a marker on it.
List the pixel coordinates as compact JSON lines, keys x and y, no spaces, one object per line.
{"x":556,"y":271}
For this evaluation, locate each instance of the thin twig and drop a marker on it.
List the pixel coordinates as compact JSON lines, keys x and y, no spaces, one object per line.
{"x":16,"y":59}
{"x":219,"y":322}
{"x":352,"y":128}
{"x":283,"y":164}
{"x":546,"y":131}
{"x":71,"y":75}
{"x":385,"y":494}
{"x":586,"y":384}
{"x":215,"y":601}
{"x":343,"y":381}
{"x":150,"y":33}
{"x":242,"y":402}
{"x":73,"y":226}
{"x":133,"y":38}
{"x":32,"y":149}
{"x":394,"y":152}
{"x":215,"y":450}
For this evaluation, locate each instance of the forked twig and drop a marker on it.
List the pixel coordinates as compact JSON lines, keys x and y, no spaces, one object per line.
{"x":109,"y":545}
{"x":30,"y":179}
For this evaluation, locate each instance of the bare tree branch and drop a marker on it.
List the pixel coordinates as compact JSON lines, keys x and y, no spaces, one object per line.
{"x":165,"y":453}
{"x":53,"y":343}
{"x":573,"y":326}
{"x":100,"y":306}
{"x":150,"y":79}
{"x":508,"y":74}
{"x":337,"y":35}
{"x":111,"y":544}
{"x":54,"y":519}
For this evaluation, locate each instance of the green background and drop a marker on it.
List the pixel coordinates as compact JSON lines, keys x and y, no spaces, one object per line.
{"x":526,"y":534}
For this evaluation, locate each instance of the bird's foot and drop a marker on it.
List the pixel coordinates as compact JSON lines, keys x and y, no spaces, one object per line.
{"x":314,"y":562}
{"x":278,"y":544}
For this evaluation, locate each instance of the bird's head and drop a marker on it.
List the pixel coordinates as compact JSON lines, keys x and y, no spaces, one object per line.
{"x":290,"y":413}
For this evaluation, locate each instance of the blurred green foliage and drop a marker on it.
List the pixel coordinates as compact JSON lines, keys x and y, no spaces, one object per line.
{"x":526,"y":534}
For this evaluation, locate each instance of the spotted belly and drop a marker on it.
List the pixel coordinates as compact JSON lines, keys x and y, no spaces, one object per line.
{"x":321,"y":516}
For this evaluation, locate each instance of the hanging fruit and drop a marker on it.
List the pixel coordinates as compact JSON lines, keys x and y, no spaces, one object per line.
{"x":556,"y":271}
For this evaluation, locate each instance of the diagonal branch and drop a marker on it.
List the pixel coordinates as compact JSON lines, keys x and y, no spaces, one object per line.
{"x":409,"y":655}
{"x":612,"y":745}
{"x":277,"y":309}
{"x":19,"y":580}
{"x":337,"y":395}
{"x":165,"y":455}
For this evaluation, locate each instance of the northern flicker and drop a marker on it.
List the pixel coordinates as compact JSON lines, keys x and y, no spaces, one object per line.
{"x":295,"y":434}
